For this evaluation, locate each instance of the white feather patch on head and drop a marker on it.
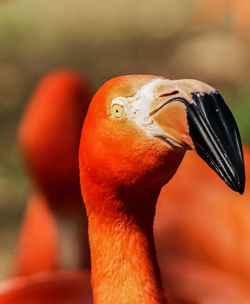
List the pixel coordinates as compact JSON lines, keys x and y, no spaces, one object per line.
{"x":138,"y":108}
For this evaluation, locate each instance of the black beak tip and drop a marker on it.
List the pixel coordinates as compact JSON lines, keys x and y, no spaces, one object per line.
{"x":239,"y":186}
{"x":241,"y":189}
{"x":216,"y":138}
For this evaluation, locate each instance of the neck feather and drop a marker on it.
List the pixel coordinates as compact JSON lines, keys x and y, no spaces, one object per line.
{"x":123,"y":259}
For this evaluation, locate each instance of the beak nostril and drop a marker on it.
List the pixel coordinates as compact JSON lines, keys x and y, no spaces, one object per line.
{"x":165,"y":102}
{"x":169,"y":94}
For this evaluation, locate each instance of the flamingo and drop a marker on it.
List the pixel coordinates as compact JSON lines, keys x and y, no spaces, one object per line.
{"x":215,"y":12}
{"x":136,"y":139}
{"x":211,"y":238}
{"x":49,"y":137}
{"x":135,"y":135}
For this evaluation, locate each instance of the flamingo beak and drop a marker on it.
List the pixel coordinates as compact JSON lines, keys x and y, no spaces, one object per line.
{"x":209,"y":128}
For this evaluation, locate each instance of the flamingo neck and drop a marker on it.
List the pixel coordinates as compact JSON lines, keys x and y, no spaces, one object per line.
{"x":123,"y":258}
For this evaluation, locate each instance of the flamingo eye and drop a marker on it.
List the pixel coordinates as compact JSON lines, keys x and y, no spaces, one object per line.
{"x":118,"y":111}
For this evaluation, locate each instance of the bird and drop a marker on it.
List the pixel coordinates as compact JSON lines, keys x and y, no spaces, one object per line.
{"x":58,"y":287}
{"x":48,"y":137}
{"x":206,"y":231}
{"x":215,"y":12}
{"x":136,"y":132}
{"x":134,"y":137}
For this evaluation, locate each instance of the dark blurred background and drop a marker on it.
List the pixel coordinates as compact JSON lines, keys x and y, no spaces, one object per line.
{"x":207,"y":40}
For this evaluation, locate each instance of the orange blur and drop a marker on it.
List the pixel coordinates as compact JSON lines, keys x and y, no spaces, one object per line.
{"x":215,"y":12}
{"x":57,"y":287}
{"x":38,"y":246}
{"x":49,"y":137}
{"x":202,"y":231}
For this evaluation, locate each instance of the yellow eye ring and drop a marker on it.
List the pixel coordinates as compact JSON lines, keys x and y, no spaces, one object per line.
{"x":118,"y":111}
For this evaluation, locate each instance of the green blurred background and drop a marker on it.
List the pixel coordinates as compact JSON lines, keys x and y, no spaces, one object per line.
{"x":207,"y":40}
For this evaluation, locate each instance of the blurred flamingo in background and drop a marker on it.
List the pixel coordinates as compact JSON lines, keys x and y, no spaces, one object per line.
{"x":57,"y":287}
{"x":110,"y":140}
{"x":202,"y":234}
{"x":49,"y":137}
{"x":214,"y":12}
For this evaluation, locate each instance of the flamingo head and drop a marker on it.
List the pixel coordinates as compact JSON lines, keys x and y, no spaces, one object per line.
{"x":138,"y":128}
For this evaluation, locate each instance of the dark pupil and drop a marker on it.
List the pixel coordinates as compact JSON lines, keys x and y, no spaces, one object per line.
{"x":117,"y":111}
